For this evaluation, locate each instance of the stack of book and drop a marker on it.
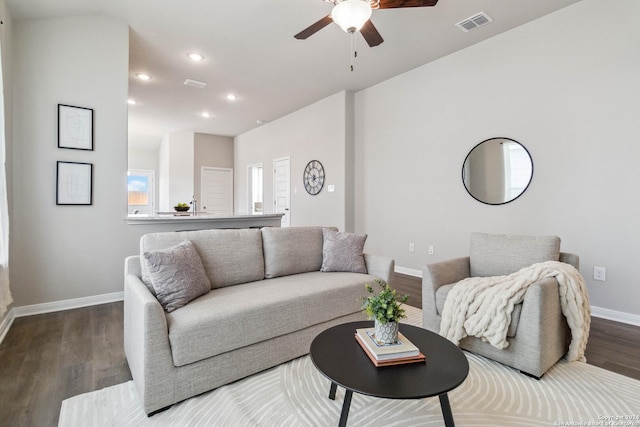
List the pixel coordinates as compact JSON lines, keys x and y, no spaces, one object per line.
{"x":401,"y":352}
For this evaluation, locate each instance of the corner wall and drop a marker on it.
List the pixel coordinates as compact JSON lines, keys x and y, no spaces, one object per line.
{"x":566,"y":87}
{"x":317,"y":132}
{"x":65,"y":252}
{"x":6,"y":45}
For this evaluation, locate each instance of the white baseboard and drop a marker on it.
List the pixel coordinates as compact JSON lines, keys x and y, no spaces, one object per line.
{"x":48,"y":307}
{"x":604,"y":313}
{"x":6,"y":324}
{"x":408,"y":271}
{"x":617,"y":316}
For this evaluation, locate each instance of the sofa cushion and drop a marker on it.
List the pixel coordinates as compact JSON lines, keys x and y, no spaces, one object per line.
{"x":177,"y":275}
{"x":343,"y":251}
{"x":229,"y":257}
{"x":441,"y":296}
{"x":502,"y":254}
{"x":292,"y":250}
{"x":233,"y":317}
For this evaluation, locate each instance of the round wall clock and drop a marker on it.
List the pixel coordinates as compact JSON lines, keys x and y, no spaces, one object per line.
{"x":313,"y":177}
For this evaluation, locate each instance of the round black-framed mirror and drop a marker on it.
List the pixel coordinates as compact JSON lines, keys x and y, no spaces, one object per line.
{"x":497,"y":171}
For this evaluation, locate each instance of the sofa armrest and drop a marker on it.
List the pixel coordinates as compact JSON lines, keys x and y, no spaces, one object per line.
{"x":444,"y":272}
{"x":570,"y":258}
{"x":433,"y":276}
{"x":146,"y":340}
{"x":542,"y":334}
{"x":380,"y":266}
{"x":132,"y":266}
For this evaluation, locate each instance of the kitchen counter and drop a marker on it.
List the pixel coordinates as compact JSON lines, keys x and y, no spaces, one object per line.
{"x":205,"y":220}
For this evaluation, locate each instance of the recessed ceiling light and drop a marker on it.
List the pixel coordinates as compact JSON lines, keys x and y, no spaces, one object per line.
{"x":231,"y":97}
{"x":206,"y":115}
{"x":131,"y":101}
{"x":143,"y":76}
{"x":195,"y":56}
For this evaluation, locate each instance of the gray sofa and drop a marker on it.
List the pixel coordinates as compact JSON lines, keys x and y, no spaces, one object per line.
{"x":268,"y":300}
{"x":538,"y":334}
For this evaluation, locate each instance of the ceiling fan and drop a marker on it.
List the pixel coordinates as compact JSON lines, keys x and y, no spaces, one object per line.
{"x":353,"y":16}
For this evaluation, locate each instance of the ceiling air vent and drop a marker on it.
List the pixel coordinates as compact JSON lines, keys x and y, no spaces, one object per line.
{"x":195,"y":83}
{"x":476,"y":21}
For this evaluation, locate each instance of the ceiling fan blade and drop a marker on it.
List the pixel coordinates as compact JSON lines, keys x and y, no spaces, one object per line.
{"x":314,"y":28}
{"x":392,"y":4}
{"x":371,"y":34}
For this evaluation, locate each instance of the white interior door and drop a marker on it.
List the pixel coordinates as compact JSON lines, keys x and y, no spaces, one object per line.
{"x":281,"y":189}
{"x":216,"y":191}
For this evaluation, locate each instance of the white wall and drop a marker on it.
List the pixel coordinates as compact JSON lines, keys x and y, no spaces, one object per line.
{"x":566,"y":87}
{"x":6,"y":43}
{"x":63,"y":252}
{"x":164,"y":202}
{"x":181,"y":187}
{"x":317,"y":132}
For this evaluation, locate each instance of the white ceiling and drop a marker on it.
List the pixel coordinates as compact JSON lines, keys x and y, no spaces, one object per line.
{"x":250,"y":51}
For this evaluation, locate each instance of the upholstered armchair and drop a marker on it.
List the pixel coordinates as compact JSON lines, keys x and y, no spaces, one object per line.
{"x":538,"y":334}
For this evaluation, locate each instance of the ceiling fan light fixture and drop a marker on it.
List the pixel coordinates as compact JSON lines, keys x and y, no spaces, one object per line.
{"x":194,"y":56}
{"x":351,"y":15}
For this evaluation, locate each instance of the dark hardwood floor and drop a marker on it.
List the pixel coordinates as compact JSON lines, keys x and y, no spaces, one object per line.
{"x":47,"y":358}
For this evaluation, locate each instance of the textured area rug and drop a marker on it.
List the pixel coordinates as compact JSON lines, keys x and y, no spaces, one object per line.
{"x":295,"y":394}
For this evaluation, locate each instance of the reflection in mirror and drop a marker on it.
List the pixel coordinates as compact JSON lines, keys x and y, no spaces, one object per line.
{"x":497,"y":171}
{"x":254,"y":192}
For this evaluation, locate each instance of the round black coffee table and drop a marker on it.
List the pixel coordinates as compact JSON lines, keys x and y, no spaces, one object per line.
{"x":339,"y":357}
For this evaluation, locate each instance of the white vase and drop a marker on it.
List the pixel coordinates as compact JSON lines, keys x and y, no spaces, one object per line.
{"x":386,"y":333}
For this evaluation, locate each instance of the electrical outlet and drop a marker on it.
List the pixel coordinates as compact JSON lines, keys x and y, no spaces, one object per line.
{"x":430,"y":250}
{"x":599,"y":273}
{"x":412,"y":247}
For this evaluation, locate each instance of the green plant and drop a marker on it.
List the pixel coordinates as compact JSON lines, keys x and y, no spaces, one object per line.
{"x":384,"y":306}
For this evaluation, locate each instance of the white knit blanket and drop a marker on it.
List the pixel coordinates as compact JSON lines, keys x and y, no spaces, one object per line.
{"x":482,"y":306}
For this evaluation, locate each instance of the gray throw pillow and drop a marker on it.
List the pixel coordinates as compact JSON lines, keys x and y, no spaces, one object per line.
{"x":343,"y":251}
{"x":177,"y":275}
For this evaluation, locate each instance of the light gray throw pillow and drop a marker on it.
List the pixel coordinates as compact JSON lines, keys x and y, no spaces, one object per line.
{"x":343,"y":251}
{"x":291,"y":250}
{"x":177,"y":275}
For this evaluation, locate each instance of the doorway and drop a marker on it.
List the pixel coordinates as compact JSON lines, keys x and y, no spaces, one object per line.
{"x":255,"y":183}
{"x":216,"y":191}
{"x":281,"y":189}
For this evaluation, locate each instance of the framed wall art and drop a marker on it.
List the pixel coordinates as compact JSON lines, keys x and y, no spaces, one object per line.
{"x":75,"y":127}
{"x":74,"y":183}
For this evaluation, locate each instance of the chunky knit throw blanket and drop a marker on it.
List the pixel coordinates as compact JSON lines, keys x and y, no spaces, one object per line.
{"x":482,"y":306}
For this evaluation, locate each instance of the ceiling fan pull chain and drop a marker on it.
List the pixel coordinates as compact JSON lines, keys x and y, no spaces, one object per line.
{"x":353,"y":49}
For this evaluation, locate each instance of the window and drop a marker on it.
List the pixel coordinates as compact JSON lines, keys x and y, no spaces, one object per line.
{"x":140,"y":191}
{"x":517,"y":166}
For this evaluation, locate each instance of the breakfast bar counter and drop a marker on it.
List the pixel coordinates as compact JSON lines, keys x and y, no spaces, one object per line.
{"x":205,"y":220}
